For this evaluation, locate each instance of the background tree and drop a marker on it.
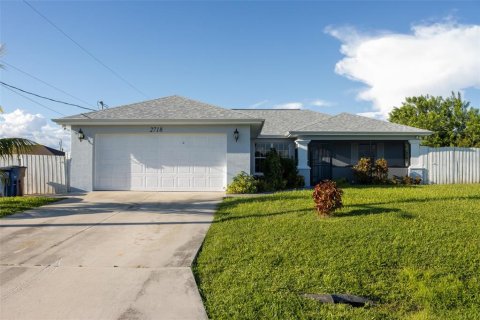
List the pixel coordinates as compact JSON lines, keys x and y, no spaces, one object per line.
{"x":453,"y":122}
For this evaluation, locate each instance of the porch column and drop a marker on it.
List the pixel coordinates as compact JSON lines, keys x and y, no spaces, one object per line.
{"x":302,"y":154}
{"x":416,"y":166}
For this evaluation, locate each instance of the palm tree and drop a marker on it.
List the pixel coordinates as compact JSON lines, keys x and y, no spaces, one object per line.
{"x":11,"y":146}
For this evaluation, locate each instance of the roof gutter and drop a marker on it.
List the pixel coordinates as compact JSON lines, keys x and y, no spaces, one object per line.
{"x":134,"y":122}
{"x":356,"y":133}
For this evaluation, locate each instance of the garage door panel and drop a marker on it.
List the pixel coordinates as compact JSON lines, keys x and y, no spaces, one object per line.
{"x":183,"y":168}
{"x":137,"y":168}
{"x":118,"y":182}
{"x":168,"y":169}
{"x":183,"y":162}
{"x":215,"y":182}
{"x":200,"y":169}
{"x":137,"y":180}
{"x":200,"y":182}
{"x":168,"y":182}
{"x":152,"y":171}
{"x":152,"y":182}
{"x":184,"y":182}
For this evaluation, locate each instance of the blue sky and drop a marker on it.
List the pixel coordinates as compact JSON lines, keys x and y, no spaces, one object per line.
{"x":233,"y":54}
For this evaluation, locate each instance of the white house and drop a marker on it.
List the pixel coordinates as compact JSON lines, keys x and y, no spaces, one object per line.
{"x":179,"y":144}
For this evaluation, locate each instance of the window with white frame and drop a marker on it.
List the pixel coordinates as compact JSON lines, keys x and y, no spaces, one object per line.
{"x":261,"y":149}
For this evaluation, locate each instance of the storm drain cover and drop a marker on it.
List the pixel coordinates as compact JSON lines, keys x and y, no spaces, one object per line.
{"x":352,"y":300}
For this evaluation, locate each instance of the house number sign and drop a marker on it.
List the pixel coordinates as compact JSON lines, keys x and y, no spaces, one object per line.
{"x":156,"y":129}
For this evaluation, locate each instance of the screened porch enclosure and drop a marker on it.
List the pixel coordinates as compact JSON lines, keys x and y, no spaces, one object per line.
{"x":320,"y":161}
{"x":335,"y":159}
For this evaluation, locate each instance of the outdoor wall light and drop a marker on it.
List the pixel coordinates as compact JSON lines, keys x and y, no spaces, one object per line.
{"x":236,"y":135}
{"x":81,"y":135}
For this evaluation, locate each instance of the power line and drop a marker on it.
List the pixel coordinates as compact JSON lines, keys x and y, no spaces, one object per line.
{"x":85,"y":50}
{"x":39,"y":96}
{"x":42,"y":105}
{"x":44,"y":82}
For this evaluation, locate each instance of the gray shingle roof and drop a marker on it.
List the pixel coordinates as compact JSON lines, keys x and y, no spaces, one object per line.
{"x":346,"y":122}
{"x":280,"y":121}
{"x":168,"y":108}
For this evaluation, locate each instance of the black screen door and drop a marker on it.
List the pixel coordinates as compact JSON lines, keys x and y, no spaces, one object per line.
{"x":320,"y":162}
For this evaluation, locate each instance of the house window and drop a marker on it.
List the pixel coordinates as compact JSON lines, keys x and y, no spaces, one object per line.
{"x":367,"y":150}
{"x":261,"y":149}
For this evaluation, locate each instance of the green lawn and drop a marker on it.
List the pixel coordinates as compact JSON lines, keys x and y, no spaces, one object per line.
{"x":415,"y":250}
{"x":10,"y":205}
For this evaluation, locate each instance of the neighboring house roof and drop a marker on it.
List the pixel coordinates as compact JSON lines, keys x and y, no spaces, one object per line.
{"x":278,"y":122}
{"x":167,"y":108}
{"x":44,"y":150}
{"x":350,"y":123}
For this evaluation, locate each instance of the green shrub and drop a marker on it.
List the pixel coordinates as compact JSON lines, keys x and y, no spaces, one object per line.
{"x":396,"y":180}
{"x":363,"y":170}
{"x":327,"y":197}
{"x":262,"y":185}
{"x":273,"y":171}
{"x":380,"y":171}
{"x":279,"y":174}
{"x":242,"y":183}
{"x":289,"y":171}
{"x":290,"y":174}
{"x":406,"y":180}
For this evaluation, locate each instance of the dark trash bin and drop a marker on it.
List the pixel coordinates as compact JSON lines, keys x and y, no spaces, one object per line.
{"x":13,"y":186}
{"x":6,"y":183}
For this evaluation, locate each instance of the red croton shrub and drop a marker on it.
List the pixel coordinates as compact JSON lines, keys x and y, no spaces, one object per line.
{"x":327,"y":197}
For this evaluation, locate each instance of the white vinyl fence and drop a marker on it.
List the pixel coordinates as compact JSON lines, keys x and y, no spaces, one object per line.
{"x":45,"y":174}
{"x":450,"y":165}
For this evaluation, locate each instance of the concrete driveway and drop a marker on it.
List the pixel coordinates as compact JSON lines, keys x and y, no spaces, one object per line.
{"x":108,"y":255}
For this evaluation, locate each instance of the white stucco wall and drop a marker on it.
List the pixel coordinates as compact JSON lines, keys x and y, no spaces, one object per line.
{"x":81,"y":163}
{"x":83,"y":152}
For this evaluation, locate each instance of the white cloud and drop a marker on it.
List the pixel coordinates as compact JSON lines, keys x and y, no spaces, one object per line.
{"x":21,"y":124}
{"x":289,"y":105}
{"x":321,"y":103}
{"x":258,"y":104}
{"x":433,"y":59}
{"x":371,"y":114}
{"x":292,"y":105}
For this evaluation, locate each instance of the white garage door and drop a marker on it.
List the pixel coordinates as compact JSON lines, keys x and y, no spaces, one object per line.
{"x":160,"y":162}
